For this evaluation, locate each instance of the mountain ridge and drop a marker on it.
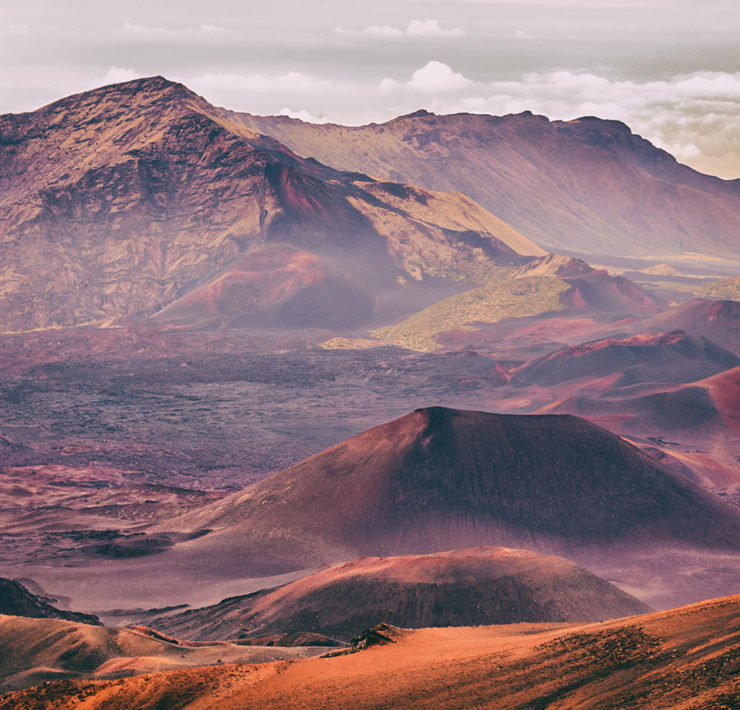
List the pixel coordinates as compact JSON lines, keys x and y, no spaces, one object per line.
{"x":134,"y":193}
{"x":587,"y":186}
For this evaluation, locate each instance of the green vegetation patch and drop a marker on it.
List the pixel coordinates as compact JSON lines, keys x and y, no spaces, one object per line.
{"x":727,"y":289}
{"x":497,"y":301}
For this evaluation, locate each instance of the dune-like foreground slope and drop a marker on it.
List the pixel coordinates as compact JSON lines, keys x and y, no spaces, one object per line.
{"x":36,"y":650}
{"x":481,"y":585}
{"x":588,"y":185}
{"x":442,"y":478}
{"x":683,"y":658}
{"x":122,"y":200}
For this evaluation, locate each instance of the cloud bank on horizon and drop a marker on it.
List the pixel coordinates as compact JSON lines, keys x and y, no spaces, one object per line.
{"x":670,"y":69}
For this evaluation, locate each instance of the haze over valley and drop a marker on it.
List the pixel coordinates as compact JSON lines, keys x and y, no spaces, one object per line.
{"x":286,"y":403}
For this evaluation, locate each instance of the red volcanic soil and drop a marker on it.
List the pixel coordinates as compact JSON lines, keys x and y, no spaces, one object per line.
{"x":481,"y":585}
{"x":277,"y":286}
{"x":666,"y":357}
{"x":698,"y":424}
{"x":441,"y":477}
{"x":524,"y":339}
{"x":717,"y":320}
{"x":600,"y":292}
{"x":724,"y":390}
{"x":682,"y":658}
{"x":709,"y":407}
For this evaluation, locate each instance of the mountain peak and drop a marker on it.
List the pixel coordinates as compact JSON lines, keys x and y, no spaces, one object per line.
{"x":438,"y":478}
{"x":151,"y":85}
{"x":554,"y":265}
{"x":603,"y":122}
{"x":122,"y":96}
{"x":421,"y":113}
{"x":157,"y":82}
{"x":436,"y":412}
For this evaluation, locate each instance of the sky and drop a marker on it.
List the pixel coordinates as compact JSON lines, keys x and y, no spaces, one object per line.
{"x":670,"y":69}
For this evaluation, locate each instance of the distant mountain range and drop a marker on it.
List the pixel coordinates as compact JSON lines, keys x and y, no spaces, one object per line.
{"x":120,"y":201}
{"x":142,"y":201}
{"x":589,"y":186}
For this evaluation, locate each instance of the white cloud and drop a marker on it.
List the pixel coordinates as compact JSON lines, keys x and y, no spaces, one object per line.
{"x":437,"y":77}
{"x":521,"y":34}
{"x":373,"y":31}
{"x":115,"y":75}
{"x":253,"y":86}
{"x":302,"y":115}
{"x":431,"y":28}
{"x":687,"y":151}
{"x":693,"y":116}
{"x":416,"y":29}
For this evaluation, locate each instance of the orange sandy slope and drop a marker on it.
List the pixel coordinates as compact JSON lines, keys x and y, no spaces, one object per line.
{"x":682,"y":658}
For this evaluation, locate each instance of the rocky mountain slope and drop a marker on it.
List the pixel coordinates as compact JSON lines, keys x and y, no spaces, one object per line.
{"x":121,"y":200}
{"x":717,"y":320}
{"x":589,"y":186}
{"x":709,"y":408}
